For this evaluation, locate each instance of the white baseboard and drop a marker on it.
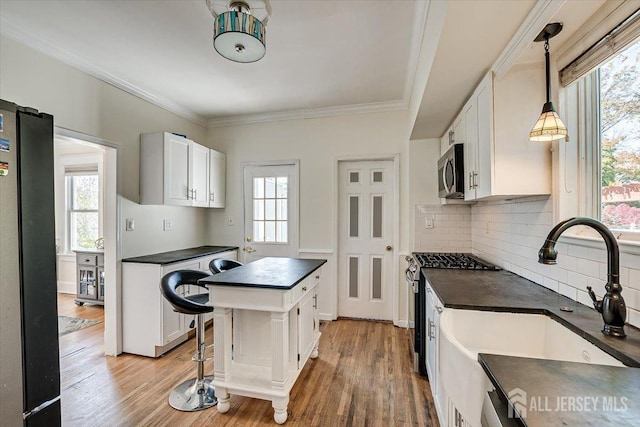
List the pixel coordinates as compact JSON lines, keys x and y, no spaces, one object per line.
{"x":66,"y":287}
{"x":404,"y":323}
{"x":327,"y":316}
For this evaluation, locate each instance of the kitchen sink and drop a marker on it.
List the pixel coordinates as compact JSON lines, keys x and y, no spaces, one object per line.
{"x":465,"y":333}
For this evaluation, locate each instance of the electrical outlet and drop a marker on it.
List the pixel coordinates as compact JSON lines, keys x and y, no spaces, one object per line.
{"x":231,"y":220}
{"x":130,"y":224}
{"x":428,"y":223}
{"x":167,"y":225}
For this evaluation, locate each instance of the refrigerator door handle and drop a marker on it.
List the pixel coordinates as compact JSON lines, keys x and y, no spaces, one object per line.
{"x":40,"y":407}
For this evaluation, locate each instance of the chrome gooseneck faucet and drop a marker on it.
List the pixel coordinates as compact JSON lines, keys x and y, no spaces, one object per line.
{"x":612,"y":306}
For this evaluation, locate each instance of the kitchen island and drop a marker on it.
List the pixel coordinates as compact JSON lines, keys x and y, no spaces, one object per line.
{"x":266,"y":327}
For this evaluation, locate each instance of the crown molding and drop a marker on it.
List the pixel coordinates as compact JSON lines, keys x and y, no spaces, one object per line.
{"x":419,"y":22}
{"x":374,"y":107}
{"x":13,"y":31}
{"x":535,"y":21}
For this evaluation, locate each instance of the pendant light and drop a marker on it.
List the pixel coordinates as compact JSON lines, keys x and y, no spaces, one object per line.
{"x":239,"y":28}
{"x":549,"y":127}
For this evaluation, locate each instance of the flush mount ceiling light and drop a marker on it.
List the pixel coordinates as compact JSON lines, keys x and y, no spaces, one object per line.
{"x":549,"y":127}
{"x":239,"y":28}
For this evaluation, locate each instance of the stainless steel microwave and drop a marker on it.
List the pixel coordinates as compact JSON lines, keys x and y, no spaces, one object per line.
{"x":451,"y":173}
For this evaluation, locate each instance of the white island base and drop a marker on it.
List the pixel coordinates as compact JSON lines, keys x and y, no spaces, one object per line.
{"x":263,"y":337}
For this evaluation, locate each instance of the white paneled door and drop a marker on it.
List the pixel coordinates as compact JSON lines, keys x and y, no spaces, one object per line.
{"x":365,"y":239}
{"x":270,"y":211}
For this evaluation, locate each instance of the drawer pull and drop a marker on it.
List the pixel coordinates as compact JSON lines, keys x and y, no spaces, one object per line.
{"x":304,"y":289}
{"x":317,"y":276}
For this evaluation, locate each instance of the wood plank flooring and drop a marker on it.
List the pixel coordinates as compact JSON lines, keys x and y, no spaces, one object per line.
{"x":363,"y":377}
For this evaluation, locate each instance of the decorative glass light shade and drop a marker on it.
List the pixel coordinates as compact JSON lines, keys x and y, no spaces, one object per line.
{"x":549,"y":127}
{"x":239,"y":37}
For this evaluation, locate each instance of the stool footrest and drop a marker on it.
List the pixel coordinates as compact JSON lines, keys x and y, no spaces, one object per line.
{"x":196,"y":355}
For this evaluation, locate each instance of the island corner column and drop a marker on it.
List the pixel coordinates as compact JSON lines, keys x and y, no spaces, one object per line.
{"x":222,"y":338}
{"x":280,"y":363}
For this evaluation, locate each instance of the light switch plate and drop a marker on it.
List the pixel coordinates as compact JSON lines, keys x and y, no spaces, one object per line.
{"x":130,"y":224}
{"x":167,"y":225}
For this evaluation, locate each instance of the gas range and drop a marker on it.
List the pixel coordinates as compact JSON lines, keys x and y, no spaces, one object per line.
{"x":458,"y":261}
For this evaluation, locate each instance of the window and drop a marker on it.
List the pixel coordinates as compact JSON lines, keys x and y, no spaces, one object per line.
{"x":619,"y":148}
{"x":83,"y":210}
{"x":599,"y":167}
{"x":270,"y":209}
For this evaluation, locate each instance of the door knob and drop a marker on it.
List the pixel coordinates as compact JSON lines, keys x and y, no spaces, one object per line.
{"x":389,"y":248}
{"x":248,"y":238}
{"x":248,"y":249}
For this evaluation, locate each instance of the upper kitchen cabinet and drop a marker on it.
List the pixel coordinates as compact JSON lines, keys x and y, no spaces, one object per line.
{"x":177,"y":171}
{"x":500,"y":161}
{"x":217,"y":172}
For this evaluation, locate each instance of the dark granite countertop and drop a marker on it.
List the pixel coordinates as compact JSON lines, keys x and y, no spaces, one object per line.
{"x":508,"y":292}
{"x":272,"y":273}
{"x":555,"y":393}
{"x":179,"y":255}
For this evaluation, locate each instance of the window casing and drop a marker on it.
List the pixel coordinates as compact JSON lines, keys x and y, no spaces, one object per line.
{"x":585,"y":186}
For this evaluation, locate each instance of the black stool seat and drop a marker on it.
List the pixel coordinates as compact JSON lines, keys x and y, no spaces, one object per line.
{"x":219,"y":265}
{"x":195,"y":304}
{"x":197,"y":393}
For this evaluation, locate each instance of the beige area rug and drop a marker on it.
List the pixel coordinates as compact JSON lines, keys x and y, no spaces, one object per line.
{"x":66,"y":324}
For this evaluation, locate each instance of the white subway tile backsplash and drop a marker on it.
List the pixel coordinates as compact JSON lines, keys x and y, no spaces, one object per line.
{"x":510,"y":233}
{"x":633,"y":317}
{"x":568,"y":291}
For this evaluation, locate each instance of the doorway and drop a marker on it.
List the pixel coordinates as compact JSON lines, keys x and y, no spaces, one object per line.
{"x":366,"y":238}
{"x":270,"y":210}
{"x":76,"y":143}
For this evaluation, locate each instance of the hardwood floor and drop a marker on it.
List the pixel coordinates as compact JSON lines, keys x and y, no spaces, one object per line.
{"x":363,"y":377}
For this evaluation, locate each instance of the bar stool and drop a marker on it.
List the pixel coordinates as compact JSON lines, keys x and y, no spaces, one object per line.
{"x":196,"y":393}
{"x":219,"y":265}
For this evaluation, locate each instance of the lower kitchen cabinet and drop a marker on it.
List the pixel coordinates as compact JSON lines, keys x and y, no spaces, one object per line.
{"x":150,"y":326}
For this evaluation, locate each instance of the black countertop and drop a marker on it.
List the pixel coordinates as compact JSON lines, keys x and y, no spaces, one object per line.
{"x":549,"y":382}
{"x":180,"y":255}
{"x":508,"y":292}
{"x":565,"y":393}
{"x":272,"y":273}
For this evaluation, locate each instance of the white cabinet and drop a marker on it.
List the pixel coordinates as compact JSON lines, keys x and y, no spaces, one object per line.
{"x":217,"y":173}
{"x":199,"y":175}
{"x":150,"y":326}
{"x":177,"y":171}
{"x":500,"y":161}
{"x":434,"y":308}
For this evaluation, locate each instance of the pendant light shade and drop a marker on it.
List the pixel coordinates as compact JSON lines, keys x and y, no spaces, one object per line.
{"x":549,"y":127}
{"x":239,"y":28}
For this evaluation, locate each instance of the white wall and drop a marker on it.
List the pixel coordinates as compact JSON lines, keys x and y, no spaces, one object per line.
{"x":85,"y":104}
{"x":317,"y":143}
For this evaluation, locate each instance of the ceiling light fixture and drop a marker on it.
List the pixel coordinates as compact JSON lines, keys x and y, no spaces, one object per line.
{"x":239,"y":28}
{"x":549,"y":127}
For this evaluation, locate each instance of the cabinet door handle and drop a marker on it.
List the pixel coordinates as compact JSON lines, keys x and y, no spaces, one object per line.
{"x":194,"y":194}
{"x":211,"y":197}
{"x":470,"y":180}
{"x":475,"y":184}
{"x":439,"y":309}
{"x":304,"y":289}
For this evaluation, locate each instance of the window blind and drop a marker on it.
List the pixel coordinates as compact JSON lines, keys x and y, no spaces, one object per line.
{"x":614,"y":41}
{"x":87,"y":169}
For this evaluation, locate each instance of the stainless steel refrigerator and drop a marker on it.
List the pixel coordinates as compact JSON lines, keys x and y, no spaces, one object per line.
{"x":29,"y":351}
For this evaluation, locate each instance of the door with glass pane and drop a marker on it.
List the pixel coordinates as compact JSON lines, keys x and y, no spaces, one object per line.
{"x":365,"y":225}
{"x":270,"y":211}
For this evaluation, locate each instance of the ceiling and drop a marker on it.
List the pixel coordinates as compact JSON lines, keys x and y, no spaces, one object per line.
{"x":323,"y":57}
